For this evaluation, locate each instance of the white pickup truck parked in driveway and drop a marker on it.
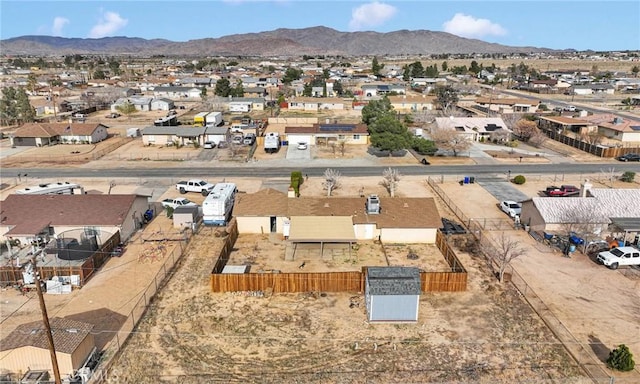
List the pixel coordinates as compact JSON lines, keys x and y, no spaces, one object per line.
{"x":177,"y":202}
{"x":199,"y":186}
{"x":619,"y":256}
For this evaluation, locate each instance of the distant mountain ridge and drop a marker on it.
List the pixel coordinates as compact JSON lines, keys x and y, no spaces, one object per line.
{"x":279,"y":42}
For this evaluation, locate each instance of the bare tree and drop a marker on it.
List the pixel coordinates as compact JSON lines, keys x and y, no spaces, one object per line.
{"x":583,"y":220}
{"x":609,"y":175}
{"x":331,"y":180}
{"x":525,"y":129}
{"x":390,"y":180}
{"x":342,"y":146}
{"x":450,"y":139}
{"x":593,"y":138}
{"x":537,"y":139}
{"x":503,"y":252}
{"x":511,"y":119}
{"x":500,"y":135}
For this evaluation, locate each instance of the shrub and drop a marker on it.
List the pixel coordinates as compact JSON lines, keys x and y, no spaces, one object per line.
{"x":296,"y":181}
{"x":519,"y":180}
{"x":628,"y":176}
{"x":169,"y":212}
{"x":621,"y":359}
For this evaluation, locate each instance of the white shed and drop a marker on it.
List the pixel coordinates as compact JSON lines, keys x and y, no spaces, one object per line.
{"x":392,"y":294}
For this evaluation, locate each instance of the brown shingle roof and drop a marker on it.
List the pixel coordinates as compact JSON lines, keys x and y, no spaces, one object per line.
{"x":398,"y":212}
{"x":67,"y":335}
{"x":55,"y":129}
{"x":30,"y":213}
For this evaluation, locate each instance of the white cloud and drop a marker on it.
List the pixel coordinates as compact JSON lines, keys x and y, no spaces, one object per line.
{"x":468,"y":26}
{"x":370,"y":15}
{"x":58,"y":25}
{"x":109,"y":23}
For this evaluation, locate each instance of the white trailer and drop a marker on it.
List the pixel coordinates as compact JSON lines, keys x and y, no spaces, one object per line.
{"x":61,"y":188}
{"x":213,"y":119}
{"x":217,"y":206}
{"x":272,"y":142}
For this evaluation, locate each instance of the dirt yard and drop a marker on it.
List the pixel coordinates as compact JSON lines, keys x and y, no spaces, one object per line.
{"x":487,"y":334}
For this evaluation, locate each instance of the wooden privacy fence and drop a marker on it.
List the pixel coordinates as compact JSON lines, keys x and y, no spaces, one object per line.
{"x":594,"y":149}
{"x":11,"y":275}
{"x":353,"y":281}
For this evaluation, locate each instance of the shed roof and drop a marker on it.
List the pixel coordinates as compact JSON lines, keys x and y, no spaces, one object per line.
{"x":393,"y":280}
{"x":334,"y":229}
{"x":626,"y":224}
{"x":67,"y":335}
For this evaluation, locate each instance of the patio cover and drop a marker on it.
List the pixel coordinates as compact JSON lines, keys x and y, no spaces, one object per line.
{"x":626,"y":224}
{"x":322,"y":229}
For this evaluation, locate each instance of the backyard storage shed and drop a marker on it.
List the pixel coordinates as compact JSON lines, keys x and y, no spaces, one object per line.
{"x":26,"y":347}
{"x":186,"y":216}
{"x":392,"y":293}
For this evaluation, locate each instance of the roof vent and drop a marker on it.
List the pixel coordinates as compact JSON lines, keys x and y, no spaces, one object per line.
{"x":373,"y":205}
{"x":617,"y":120}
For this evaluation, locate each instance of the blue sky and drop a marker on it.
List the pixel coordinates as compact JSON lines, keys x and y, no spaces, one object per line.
{"x":579,"y":24}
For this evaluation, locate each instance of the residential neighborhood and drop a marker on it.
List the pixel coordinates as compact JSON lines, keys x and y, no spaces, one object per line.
{"x":364,"y":226}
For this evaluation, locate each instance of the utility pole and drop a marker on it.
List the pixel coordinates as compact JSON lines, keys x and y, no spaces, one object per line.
{"x":47,"y":326}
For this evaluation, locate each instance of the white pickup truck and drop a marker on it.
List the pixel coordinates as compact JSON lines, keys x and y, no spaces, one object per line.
{"x":199,"y":186}
{"x":619,"y":256}
{"x":177,"y":202}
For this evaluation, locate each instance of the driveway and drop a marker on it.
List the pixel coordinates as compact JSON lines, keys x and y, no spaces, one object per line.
{"x":293,"y":153}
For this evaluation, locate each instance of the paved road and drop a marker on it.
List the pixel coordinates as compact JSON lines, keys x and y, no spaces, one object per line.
{"x":480,"y":171}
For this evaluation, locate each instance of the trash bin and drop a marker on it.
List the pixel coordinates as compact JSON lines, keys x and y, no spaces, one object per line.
{"x":472,"y":179}
{"x":466,"y":179}
{"x":572,"y":248}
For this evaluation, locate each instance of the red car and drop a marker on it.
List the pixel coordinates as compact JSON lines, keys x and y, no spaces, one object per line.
{"x":562,"y":191}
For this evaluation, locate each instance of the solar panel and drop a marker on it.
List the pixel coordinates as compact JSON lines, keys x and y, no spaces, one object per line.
{"x":635,"y":127}
{"x":336,"y":127}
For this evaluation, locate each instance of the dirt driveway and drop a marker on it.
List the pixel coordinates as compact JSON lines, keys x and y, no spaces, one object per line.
{"x":599,"y":307}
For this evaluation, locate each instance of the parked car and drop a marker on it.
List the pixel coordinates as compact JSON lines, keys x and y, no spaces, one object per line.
{"x":302,"y":146}
{"x":629,"y":157}
{"x":237,"y":139}
{"x":209,"y":145}
{"x":113,"y":115}
{"x":511,"y":208}
{"x":619,"y":256}
{"x":249,"y":139}
{"x":562,"y":191}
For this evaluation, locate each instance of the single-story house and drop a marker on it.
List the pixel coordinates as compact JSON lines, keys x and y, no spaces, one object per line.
{"x":167,"y":135}
{"x":608,"y":125}
{"x":402,"y":220}
{"x":255,"y":92}
{"x":26,"y":348}
{"x":374,"y":90}
{"x":319,"y":134}
{"x":216,"y":134}
{"x":406,"y":103}
{"x":508,"y":105}
{"x":475,"y":128}
{"x":140,"y":103}
{"x":162,"y":104}
{"x":245,"y":104}
{"x":591,"y":89}
{"x":41,"y":134}
{"x":594,"y":209}
{"x":392,"y":294}
{"x":52,"y":215}
{"x":177,"y":92}
{"x":315,"y":104}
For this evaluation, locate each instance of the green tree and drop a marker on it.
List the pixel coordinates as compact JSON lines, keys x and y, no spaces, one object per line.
{"x":375,"y":109}
{"x":8,"y":108}
{"x":431,"y":71}
{"x":621,"y":359}
{"x":32,"y":83}
{"x":223,"y":87}
{"x":203,"y":93}
{"x":444,"y":66}
{"x":126,"y":109}
{"x":325,"y":73}
{"x":232,"y":63}
{"x":424,"y":146}
{"x":446,"y":97}
{"x":99,"y":74}
{"x":291,"y":74}
{"x":307,"y":89}
{"x":635,"y":69}
{"x":475,"y":68}
{"x":376,"y":67}
{"x":114,"y":67}
{"x":387,"y":141}
{"x":26,"y":113}
{"x":238,"y":90}
{"x":337,"y":88}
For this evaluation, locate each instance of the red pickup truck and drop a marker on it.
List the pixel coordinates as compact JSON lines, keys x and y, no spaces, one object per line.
{"x":562,"y":191}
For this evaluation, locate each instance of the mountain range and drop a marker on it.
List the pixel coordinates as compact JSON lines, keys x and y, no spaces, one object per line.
{"x":280,"y":42}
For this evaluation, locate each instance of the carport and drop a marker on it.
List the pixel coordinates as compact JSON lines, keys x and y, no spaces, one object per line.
{"x":626,"y":225}
{"x":319,"y":230}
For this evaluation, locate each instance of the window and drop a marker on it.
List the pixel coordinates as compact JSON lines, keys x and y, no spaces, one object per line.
{"x":356,"y":137}
{"x":340,"y":137}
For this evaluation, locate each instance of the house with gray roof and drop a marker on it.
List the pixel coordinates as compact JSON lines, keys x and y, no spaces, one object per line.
{"x":475,"y":128}
{"x":392,"y":294}
{"x":592,"y":212}
{"x":168,"y":135}
{"x":177,"y":92}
